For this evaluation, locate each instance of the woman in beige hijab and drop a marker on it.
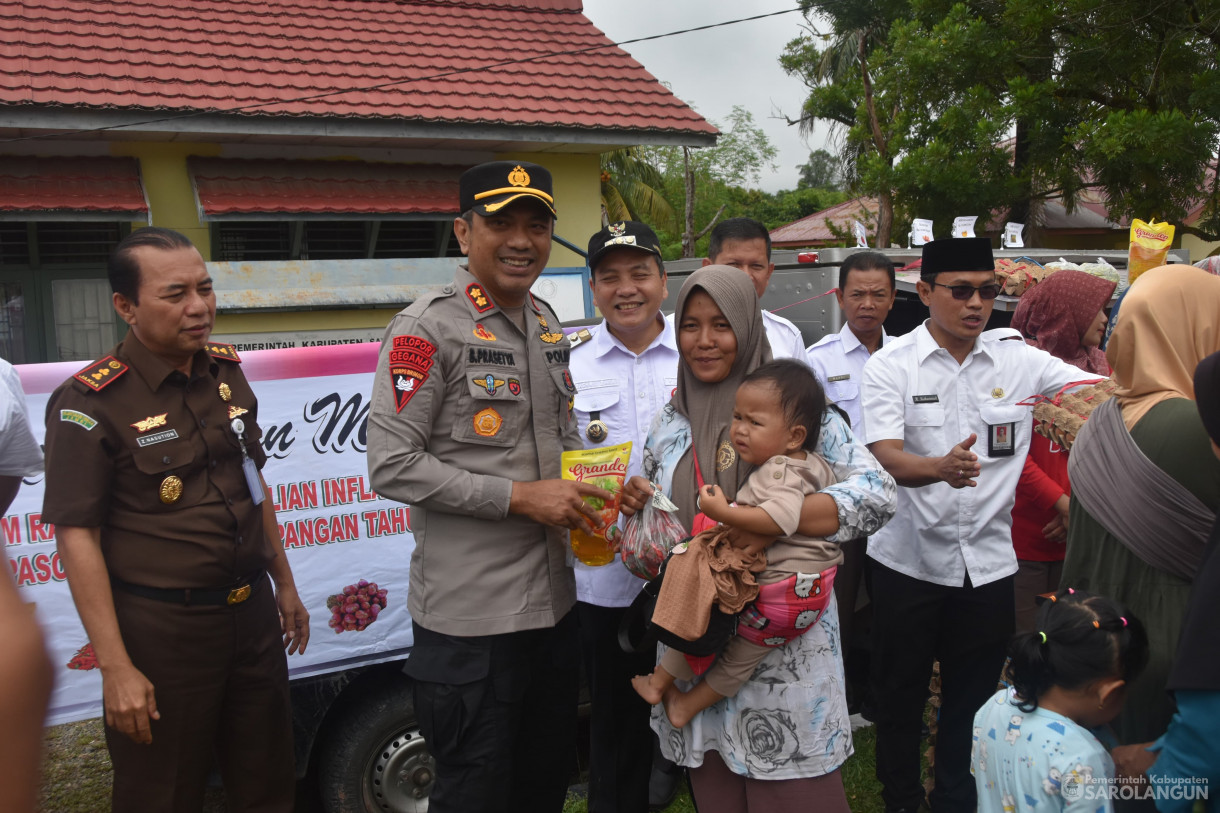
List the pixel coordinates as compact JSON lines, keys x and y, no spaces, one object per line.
{"x":1140,"y":511}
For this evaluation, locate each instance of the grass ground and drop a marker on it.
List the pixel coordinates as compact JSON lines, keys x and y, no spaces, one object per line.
{"x":76,"y":775}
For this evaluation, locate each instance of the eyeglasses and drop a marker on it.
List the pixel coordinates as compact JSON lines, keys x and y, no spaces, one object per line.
{"x":963,"y":292}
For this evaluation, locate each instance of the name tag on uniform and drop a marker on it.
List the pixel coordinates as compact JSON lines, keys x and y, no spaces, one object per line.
{"x":834,"y":378}
{"x":1001,"y":439}
{"x":926,"y":399}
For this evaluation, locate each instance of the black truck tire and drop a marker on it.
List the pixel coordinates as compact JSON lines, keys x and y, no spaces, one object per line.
{"x":374,"y":759}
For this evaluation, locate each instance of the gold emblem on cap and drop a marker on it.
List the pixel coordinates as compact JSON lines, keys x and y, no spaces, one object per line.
{"x":519,"y":177}
{"x":234,"y":411}
{"x":726,"y":456}
{"x":596,"y":431}
{"x":151,"y":422}
{"x":617,"y":229}
{"x":998,"y":392}
{"x":226,"y":394}
{"x":171,"y":490}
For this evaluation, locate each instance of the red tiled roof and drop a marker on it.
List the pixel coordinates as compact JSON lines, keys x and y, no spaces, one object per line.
{"x":311,"y":58}
{"x":811,"y":230}
{"x":231,"y":186}
{"x":95,"y":184}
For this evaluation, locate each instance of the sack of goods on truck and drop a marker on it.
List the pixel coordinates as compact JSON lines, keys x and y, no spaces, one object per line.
{"x":1019,"y":275}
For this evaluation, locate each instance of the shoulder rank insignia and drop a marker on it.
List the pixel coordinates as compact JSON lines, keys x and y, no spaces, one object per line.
{"x":579,"y":337}
{"x":101,"y":373}
{"x":479,"y":298}
{"x":220,"y":350}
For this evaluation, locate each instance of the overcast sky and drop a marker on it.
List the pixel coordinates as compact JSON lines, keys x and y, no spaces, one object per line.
{"x":717,"y":69}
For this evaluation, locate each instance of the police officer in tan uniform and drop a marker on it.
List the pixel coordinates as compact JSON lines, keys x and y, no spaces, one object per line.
{"x":471,"y":408}
{"x":168,"y":537}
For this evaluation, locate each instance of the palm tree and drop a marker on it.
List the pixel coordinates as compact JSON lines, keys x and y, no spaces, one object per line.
{"x":631,"y":190}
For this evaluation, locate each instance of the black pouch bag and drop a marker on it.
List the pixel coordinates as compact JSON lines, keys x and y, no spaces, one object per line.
{"x":637,"y":633}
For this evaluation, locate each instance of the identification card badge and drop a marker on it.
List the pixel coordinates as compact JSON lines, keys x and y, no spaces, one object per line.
{"x":247,"y":465}
{"x":1001,"y":439}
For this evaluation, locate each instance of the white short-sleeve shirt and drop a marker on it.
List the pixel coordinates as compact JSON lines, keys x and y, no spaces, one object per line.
{"x":838,"y":361}
{"x":625,"y":390}
{"x":914,"y":391}
{"x":784,"y":337}
{"x":20,"y":454}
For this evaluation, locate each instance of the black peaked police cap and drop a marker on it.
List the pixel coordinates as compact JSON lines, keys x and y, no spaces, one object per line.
{"x":490,"y":187}
{"x":956,"y":254}
{"x":626,"y":234}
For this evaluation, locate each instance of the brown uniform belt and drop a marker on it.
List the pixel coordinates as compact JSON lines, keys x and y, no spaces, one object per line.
{"x":189,"y":596}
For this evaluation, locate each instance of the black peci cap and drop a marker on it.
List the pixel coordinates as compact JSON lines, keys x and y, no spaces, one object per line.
{"x":957,"y":254}
{"x":626,"y":234}
{"x":490,"y":187}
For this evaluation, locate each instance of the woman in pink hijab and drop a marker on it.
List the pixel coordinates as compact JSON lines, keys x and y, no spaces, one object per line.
{"x":1065,"y":316}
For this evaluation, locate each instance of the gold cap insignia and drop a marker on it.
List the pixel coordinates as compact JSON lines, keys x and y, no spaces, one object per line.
{"x":226,"y":394}
{"x":151,"y":422}
{"x":617,"y":229}
{"x":519,"y":177}
{"x":234,"y":411}
{"x":171,"y":490}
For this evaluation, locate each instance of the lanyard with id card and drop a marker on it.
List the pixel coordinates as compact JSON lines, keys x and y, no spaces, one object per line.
{"x":247,"y":465}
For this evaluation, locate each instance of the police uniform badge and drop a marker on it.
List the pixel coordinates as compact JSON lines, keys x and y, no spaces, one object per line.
{"x":410,"y":361}
{"x":487,"y":423}
{"x":489,"y":383}
{"x":597,"y":430}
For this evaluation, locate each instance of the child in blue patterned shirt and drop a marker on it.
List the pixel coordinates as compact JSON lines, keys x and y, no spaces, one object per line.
{"x":1033,"y":747}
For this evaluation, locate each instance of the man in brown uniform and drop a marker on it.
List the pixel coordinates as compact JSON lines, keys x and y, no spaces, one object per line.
{"x":168,"y":537}
{"x":472,"y":406}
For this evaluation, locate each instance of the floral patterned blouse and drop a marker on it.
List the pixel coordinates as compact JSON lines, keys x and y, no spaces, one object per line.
{"x":789,"y":720}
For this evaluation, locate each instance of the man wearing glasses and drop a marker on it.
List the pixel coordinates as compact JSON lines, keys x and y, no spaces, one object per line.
{"x":945,"y":413}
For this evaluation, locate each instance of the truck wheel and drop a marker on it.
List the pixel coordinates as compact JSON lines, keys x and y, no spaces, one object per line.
{"x":375,"y":759}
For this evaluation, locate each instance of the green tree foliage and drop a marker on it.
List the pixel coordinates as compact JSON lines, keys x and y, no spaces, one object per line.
{"x":1000,"y":105}
{"x":821,"y":171}
{"x":725,"y":179}
{"x":632,"y":189}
